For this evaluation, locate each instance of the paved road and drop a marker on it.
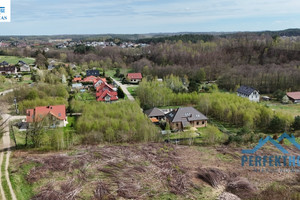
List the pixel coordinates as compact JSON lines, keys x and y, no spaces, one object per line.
{"x":124,"y":88}
{"x":6,"y":147}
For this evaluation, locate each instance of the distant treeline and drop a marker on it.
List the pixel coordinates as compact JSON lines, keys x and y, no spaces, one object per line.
{"x":153,"y":37}
{"x":184,"y":38}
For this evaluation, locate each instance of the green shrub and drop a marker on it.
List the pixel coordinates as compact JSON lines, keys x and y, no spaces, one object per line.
{"x":117,"y":122}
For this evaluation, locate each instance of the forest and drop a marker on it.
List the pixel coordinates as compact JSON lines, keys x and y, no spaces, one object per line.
{"x":265,"y":61}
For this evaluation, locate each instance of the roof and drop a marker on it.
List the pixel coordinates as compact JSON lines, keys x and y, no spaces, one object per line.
{"x":97,"y":79}
{"x":104,"y":86}
{"x":38,"y":113}
{"x":293,"y":95}
{"x":185,"y":114}
{"x":4,"y":63}
{"x":21,"y":62}
{"x":154,"y":120}
{"x":76,"y":79}
{"x":246,"y":90}
{"x":154,"y":112}
{"x":89,"y":79}
{"x":92,"y":72}
{"x":134,"y":75}
{"x":102,"y":94}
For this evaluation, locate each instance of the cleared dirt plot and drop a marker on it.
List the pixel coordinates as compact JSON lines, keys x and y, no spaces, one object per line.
{"x":147,"y":171}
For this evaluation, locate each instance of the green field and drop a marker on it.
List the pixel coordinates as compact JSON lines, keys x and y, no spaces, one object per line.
{"x":14,"y":59}
{"x":85,"y":96}
{"x":292,"y":109}
{"x":13,"y":83}
{"x":132,"y":90}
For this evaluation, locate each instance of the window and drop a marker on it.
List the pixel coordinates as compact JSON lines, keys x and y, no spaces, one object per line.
{"x":187,"y":114}
{"x":197,"y":123}
{"x":203,"y":122}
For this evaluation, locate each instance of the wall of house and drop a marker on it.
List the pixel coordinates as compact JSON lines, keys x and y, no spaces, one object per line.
{"x":176,"y":126}
{"x":134,"y":80}
{"x":199,"y":123}
{"x":254,"y":97}
{"x":251,"y":97}
{"x":196,"y":124}
{"x":297,"y":101}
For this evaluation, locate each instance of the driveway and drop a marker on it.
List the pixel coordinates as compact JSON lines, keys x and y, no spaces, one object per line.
{"x":124,"y":88}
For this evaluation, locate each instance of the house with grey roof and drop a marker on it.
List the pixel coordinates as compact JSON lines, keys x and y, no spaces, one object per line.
{"x":186,"y":117}
{"x":155,"y":113}
{"x":249,"y":93}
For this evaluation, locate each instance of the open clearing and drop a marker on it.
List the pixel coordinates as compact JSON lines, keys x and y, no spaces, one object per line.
{"x":14,"y":59}
{"x":147,"y":171}
{"x":292,"y":109}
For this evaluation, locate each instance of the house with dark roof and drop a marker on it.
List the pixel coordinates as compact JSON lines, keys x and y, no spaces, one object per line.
{"x":4,"y":63}
{"x":249,"y":93}
{"x":181,"y":118}
{"x":8,"y":70}
{"x":21,"y":62}
{"x":134,"y":77}
{"x":294,"y":96}
{"x":155,"y":113}
{"x":56,"y":115}
{"x":92,"y":72}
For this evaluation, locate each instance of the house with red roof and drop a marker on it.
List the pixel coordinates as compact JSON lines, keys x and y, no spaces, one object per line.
{"x":107,"y":96}
{"x":106,"y":92}
{"x":89,"y":79}
{"x":76,"y":80}
{"x":134,"y":77}
{"x":98,"y":81}
{"x":294,"y":96}
{"x":56,"y":115}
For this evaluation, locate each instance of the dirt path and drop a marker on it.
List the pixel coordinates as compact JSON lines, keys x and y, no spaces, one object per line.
{"x":6,"y":147}
{"x":13,"y":195}
{"x":124,"y":88}
{"x":1,"y":188}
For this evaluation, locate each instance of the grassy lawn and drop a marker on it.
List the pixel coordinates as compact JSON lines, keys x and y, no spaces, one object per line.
{"x":13,"y":83}
{"x":20,"y":136}
{"x":111,"y":73}
{"x":85,"y":96}
{"x":22,"y":188}
{"x":132,"y":90}
{"x":225,"y":127}
{"x":292,"y":109}
{"x":14,"y":59}
{"x":71,"y":124}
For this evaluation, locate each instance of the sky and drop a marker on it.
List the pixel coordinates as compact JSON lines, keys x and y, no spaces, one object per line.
{"x":45,"y":17}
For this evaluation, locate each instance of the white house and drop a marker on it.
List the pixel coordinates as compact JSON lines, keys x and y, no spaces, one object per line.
{"x":248,"y":92}
{"x":23,"y":66}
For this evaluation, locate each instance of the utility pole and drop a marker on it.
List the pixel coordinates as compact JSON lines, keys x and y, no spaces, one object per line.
{"x":16,"y":105}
